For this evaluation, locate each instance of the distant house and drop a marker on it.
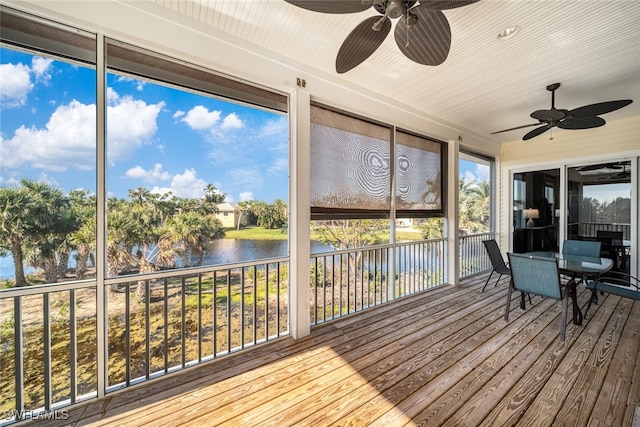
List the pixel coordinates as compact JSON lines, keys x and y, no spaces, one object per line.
{"x":229,"y":216}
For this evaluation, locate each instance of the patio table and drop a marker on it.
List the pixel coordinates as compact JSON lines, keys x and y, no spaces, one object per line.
{"x":577,"y":266}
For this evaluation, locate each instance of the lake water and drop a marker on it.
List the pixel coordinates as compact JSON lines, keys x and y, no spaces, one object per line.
{"x":223,"y":251}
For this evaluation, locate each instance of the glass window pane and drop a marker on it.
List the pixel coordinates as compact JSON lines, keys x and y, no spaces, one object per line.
{"x":47,"y":152}
{"x":194,"y":179}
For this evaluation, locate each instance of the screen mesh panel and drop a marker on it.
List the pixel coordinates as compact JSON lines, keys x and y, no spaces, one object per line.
{"x":418,"y":173}
{"x":350,"y":163}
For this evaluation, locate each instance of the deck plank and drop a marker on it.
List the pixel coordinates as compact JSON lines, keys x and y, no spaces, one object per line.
{"x":442,"y":357}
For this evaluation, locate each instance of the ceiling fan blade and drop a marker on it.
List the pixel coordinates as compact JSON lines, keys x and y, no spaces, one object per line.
{"x":445,"y":4}
{"x":332,"y":6}
{"x":361,"y":43}
{"x":548,"y":115}
{"x":518,"y":127}
{"x":536,"y":132}
{"x":427,"y":41}
{"x":583,"y":123}
{"x":599,"y":108}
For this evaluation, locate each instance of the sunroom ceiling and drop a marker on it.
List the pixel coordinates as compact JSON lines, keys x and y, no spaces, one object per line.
{"x":485,"y":85}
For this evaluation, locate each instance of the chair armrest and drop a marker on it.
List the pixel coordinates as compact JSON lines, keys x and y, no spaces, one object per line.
{"x":616,"y":278}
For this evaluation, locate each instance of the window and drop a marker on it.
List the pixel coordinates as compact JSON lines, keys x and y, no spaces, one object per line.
{"x":181,"y":143}
{"x":350,"y":160}
{"x":351,"y":169}
{"x":48,"y":152}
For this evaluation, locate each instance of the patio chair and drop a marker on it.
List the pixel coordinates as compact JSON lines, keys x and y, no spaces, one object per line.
{"x":497,"y":261}
{"x":611,"y":248}
{"x":539,"y":276}
{"x":614,"y":282}
{"x":581,"y":247}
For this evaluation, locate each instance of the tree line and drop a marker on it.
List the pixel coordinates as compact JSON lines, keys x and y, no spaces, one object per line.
{"x":41,"y":227}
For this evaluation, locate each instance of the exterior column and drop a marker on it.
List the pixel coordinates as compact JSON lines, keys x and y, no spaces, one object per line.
{"x":451,"y":223}
{"x":300,"y":214}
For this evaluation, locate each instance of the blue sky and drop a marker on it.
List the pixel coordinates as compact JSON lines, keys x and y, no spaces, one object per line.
{"x":472,"y":171}
{"x":157,"y":137}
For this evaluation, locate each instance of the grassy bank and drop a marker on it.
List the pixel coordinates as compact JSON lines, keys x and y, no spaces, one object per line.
{"x":256,"y":233}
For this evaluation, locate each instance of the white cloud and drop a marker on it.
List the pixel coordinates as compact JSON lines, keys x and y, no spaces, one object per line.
{"x":15,"y":85}
{"x":178,"y":114}
{"x":199,"y":118}
{"x":246,"y":196}
{"x":130,"y":125}
{"x":40,"y":68}
{"x":232,"y":121}
{"x":279,"y":165}
{"x":186,"y":185}
{"x":151,"y":175}
{"x":69,"y":137}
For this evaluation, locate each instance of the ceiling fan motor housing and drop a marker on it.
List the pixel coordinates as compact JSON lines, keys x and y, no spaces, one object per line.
{"x":393,"y":8}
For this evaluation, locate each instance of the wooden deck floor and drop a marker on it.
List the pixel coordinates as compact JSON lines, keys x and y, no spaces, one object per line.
{"x":444,"y":357}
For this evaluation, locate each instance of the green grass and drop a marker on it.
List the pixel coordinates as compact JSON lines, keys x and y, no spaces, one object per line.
{"x":256,"y":233}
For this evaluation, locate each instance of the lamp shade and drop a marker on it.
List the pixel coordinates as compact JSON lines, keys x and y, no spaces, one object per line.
{"x":531,"y":214}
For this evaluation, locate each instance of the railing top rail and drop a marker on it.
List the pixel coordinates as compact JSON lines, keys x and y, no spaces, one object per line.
{"x":374,"y":247}
{"x":190,"y":271}
{"x":48,"y":288}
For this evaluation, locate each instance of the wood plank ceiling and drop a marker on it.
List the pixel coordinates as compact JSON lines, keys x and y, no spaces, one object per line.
{"x":485,"y":84}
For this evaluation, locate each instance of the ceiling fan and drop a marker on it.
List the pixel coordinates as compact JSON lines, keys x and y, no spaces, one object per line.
{"x":585,"y":117}
{"x":422,"y":34}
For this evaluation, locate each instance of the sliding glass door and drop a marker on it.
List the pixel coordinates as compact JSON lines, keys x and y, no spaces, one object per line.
{"x":536,"y":198}
{"x":600,"y":208}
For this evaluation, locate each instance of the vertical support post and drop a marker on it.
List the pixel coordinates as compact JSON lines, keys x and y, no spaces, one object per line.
{"x":451,"y":224}
{"x":101,"y":218}
{"x":300,"y":215}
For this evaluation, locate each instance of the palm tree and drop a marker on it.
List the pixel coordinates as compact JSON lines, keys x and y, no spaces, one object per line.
{"x":139,"y":196}
{"x":83,"y":239}
{"x":192,"y":233}
{"x":52,"y":220}
{"x":14,"y":225}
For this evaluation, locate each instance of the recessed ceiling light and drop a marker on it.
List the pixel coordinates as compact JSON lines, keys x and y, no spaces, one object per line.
{"x":508,"y":33}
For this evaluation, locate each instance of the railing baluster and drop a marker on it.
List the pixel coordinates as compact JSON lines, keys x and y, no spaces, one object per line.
{"x":127,"y":333}
{"x":147,"y":327}
{"x":18,"y":352}
{"x":183,"y":321}
{"x":166,"y":326}
{"x":46,"y":339}
{"x":199,"y":307}
{"x":73,"y":347}
{"x":229,"y":310}
{"x":242,"y":297}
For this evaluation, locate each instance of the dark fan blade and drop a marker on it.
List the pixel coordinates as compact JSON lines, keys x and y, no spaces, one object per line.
{"x":599,"y":108}
{"x":598,"y":166}
{"x":536,"y":132}
{"x":445,"y":4}
{"x":584,"y":123}
{"x":428,"y":40}
{"x":361,"y":43}
{"x":548,"y":115}
{"x":332,"y":6}
{"x":518,"y":127}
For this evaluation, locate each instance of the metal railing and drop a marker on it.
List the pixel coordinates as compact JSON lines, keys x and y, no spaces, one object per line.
{"x":590,"y":229}
{"x":156,"y":323}
{"x":473,"y":255}
{"x":166,"y":321}
{"x":351,"y":280}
